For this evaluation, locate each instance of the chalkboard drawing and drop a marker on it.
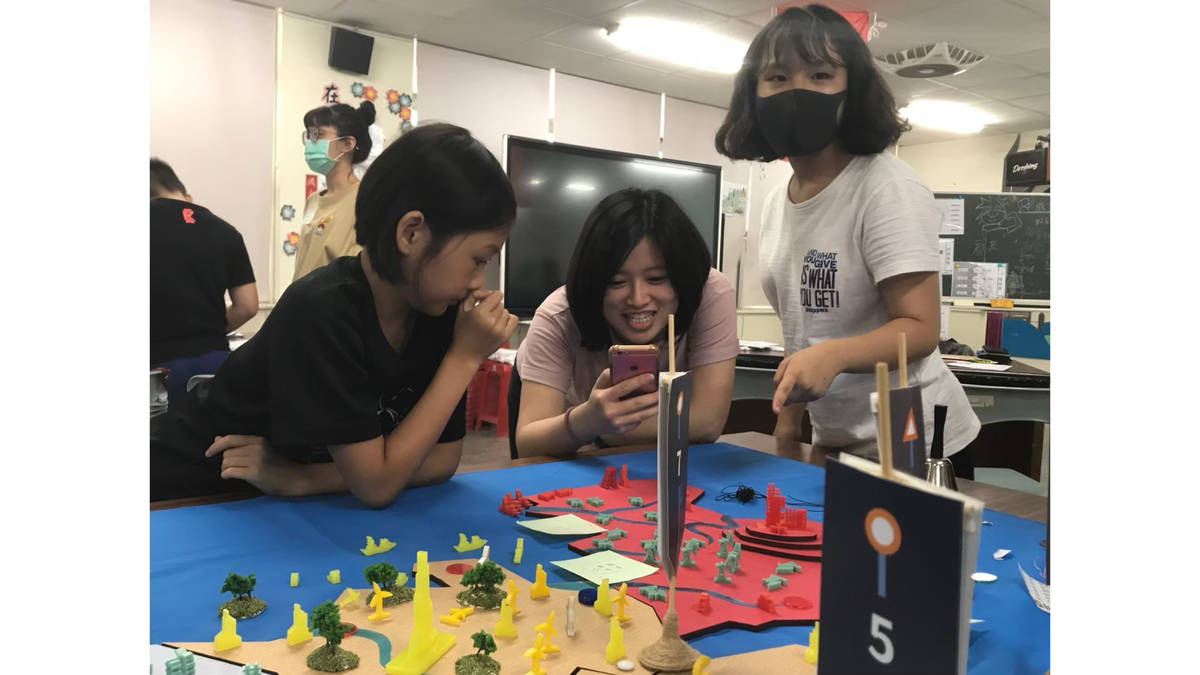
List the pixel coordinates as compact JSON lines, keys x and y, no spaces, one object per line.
{"x":883,"y":534}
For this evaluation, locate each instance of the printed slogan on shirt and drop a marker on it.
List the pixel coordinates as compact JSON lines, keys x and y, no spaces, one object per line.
{"x":818,"y":282}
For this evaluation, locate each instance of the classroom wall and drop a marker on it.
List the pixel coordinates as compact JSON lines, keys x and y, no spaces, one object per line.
{"x":303,"y":74}
{"x":971,"y":164}
{"x":212,"y":72}
{"x":492,"y":97}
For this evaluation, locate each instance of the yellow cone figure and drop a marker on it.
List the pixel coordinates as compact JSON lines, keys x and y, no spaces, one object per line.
{"x":615,"y":650}
{"x":539,"y":589}
{"x":425,"y":644}
{"x":298,"y":632}
{"x":228,"y":637}
{"x":505,"y":626}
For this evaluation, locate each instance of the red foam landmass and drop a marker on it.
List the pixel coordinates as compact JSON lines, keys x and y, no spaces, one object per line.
{"x":795,"y":603}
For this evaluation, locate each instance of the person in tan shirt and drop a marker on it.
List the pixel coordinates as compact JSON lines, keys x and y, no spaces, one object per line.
{"x":335,"y":138}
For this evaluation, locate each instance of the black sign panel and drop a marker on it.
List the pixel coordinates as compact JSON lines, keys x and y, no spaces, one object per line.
{"x":891,"y":577}
{"x":674,"y":400}
{"x":1031,"y":167}
{"x":908,"y":430}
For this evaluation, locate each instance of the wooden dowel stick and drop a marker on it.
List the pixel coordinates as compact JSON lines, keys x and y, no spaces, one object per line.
{"x":885,"y":419}
{"x":671,"y":343}
{"x":903,"y":360}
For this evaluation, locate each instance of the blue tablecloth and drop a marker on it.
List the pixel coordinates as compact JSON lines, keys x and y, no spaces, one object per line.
{"x":193,"y":548}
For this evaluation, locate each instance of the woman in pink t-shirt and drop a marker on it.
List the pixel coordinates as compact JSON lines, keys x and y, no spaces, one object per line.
{"x":638,"y":260}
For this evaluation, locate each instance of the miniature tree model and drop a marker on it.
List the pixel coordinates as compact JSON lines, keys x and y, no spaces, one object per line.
{"x":330,"y":658}
{"x":384,"y":575}
{"x":481,"y":662}
{"x":482,"y":582}
{"x":243,"y":605}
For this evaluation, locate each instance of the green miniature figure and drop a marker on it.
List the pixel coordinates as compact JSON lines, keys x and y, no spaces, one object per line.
{"x":687,"y":560}
{"x":481,"y":662}
{"x":384,"y":575}
{"x":483,"y":586}
{"x":243,"y":605}
{"x":330,"y":658}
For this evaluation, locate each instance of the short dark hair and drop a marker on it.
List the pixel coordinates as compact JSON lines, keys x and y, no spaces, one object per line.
{"x":610,"y":233}
{"x":163,"y":179}
{"x":347,"y":121}
{"x":367,"y":110}
{"x":818,"y":34}
{"x":441,"y":171}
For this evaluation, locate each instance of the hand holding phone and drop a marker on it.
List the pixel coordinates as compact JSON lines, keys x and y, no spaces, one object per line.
{"x":626,"y":361}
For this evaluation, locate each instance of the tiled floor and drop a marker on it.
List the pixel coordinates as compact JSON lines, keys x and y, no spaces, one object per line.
{"x":482,"y":448}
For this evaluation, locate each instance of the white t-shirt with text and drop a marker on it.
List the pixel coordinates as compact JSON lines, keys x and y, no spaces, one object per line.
{"x":822,"y":261}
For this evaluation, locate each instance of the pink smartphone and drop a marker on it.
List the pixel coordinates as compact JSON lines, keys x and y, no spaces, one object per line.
{"x":626,"y":361}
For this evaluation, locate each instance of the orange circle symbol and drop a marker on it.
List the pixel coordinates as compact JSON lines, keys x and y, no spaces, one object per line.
{"x":883,"y":532}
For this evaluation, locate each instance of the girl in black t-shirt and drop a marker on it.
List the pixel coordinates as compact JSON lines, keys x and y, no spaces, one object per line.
{"x":355,"y":381}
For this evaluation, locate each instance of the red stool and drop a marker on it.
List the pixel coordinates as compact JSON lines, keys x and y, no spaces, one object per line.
{"x":490,"y":399}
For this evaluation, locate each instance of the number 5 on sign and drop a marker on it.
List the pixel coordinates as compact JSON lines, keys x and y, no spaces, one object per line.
{"x":883,"y":534}
{"x":878,"y":625}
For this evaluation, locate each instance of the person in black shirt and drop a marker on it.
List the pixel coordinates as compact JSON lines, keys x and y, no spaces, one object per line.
{"x":356,"y":380}
{"x":195,"y":257}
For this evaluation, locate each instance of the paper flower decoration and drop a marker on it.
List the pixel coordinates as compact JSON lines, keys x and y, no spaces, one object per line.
{"x":405,"y":126}
{"x":394,"y":107}
{"x":287,"y":212}
{"x":405,"y":100}
{"x":405,"y":113}
{"x":356,"y":89}
{"x":289,"y":244}
{"x":370,"y":93}
{"x":393,"y":96}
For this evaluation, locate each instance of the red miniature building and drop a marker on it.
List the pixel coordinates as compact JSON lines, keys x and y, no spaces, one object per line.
{"x":609,"y":482}
{"x":510,"y":506}
{"x":766,"y":604}
{"x":564,"y":492}
{"x":779,"y":519}
{"x":704,"y":606}
{"x":797,"y":519}
{"x":624,"y":475}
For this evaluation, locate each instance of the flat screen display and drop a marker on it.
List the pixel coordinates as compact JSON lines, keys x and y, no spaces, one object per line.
{"x":558,"y":185}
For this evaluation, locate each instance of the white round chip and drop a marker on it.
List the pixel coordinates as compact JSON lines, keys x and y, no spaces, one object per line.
{"x":625,"y":665}
{"x":984,"y":577}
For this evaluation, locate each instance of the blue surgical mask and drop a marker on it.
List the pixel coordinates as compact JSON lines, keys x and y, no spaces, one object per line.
{"x":316,"y":155}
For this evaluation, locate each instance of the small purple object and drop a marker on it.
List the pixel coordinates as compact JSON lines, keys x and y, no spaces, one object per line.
{"x":993,"y":336}
{"x":587,"y":596}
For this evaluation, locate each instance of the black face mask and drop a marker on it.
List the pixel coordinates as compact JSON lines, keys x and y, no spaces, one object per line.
{"x":799,"y":122}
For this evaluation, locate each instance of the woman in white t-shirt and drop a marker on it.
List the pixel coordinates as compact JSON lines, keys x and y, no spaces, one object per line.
{"x":848,"y":247}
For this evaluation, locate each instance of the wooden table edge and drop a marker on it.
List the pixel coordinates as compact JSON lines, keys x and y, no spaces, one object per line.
{"x":1013,"y":502}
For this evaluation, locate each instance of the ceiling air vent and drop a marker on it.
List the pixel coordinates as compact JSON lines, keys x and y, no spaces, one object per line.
{"x":931,"y":60}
